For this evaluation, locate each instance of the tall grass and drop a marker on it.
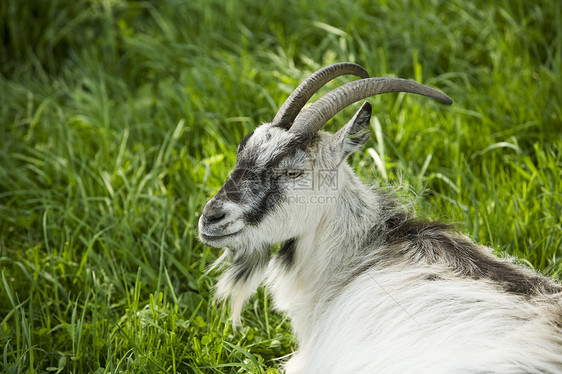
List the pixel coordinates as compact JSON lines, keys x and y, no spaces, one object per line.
{"x":120,"y":119}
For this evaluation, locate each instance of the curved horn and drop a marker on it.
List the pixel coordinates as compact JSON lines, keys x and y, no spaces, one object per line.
{"x":310,"y":121}
{"x":300,"y":96}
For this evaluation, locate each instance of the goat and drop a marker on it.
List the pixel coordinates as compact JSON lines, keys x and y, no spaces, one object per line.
{"x":368,"y":287}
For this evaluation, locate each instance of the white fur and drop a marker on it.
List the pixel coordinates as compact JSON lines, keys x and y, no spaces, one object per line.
{"x":391,"y":322}
{"x":388,"y":318}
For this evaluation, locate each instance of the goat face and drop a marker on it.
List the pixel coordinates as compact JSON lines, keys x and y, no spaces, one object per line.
{"x":287,"y":174}
{"x":280,"y":184}
{"x":282,"y":164}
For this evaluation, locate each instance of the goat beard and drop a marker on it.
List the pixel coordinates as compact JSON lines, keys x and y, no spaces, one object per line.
{"x":245,"y":269}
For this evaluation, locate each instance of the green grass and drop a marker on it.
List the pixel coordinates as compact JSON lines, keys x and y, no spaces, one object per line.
{"x":119,"y":120}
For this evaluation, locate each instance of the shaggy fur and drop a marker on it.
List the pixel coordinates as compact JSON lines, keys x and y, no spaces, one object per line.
{"x":368,"y":287}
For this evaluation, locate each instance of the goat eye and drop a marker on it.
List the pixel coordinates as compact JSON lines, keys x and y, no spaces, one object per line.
{"x":293,"y":173}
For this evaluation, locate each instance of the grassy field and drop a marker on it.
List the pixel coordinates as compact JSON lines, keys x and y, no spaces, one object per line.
{"x":119,"y":120}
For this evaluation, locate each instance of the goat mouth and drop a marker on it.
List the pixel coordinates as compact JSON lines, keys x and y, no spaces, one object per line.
{"x":210,"y":238}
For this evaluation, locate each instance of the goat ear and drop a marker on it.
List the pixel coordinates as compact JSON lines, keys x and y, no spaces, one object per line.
{"x":355,"y":133}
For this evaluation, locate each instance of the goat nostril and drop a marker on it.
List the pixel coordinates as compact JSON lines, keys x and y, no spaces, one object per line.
{"x":214,"y":218}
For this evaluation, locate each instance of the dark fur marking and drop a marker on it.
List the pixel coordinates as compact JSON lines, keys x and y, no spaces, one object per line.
{"x":245,"y":264}
{"x":286,"y":254}
{"x":360,"y":270}
{"x":244,"y":141}
{"x":436,"y":242}
{"x":234,"y":190}
{"x":432,"y":277}
{"x":401,"y":236}
{"x":266,"y":201}
{"x":248,"y":182}
{"x":265,"y":186}
{"x":288,"y":150}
